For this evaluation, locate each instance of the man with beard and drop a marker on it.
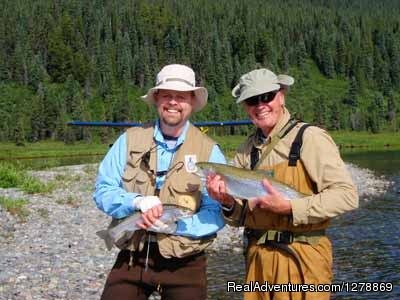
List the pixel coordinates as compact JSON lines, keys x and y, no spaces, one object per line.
{"x":149,"y":167}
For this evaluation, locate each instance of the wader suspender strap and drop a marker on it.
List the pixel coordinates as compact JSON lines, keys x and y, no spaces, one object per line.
{"x":294,"y":154}
{"x":255,"y":160}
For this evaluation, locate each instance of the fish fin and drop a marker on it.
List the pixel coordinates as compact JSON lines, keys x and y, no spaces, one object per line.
{"x":103,"y":234}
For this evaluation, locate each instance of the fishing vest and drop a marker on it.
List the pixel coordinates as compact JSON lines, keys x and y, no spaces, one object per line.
{"x":290,"y":171}
{"x":180,"y":188}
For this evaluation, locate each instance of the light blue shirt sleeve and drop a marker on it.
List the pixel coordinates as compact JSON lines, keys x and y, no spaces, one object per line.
{"x":208,"y":220}
{"x":109,"y":194}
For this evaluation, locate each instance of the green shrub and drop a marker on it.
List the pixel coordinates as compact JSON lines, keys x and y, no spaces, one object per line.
{"x":34,"y":186}
{"x":9,"y":176}
{"x":12,"y":176}
{"x":15,"y":207}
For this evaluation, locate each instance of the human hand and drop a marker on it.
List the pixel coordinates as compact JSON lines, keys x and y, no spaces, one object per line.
{"x":151,"y":208}
{"x":217,"y":190}
{"x":274,"y":201}
{"x":150,"y":217}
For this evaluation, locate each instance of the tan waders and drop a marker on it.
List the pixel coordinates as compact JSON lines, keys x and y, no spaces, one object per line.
{"x":309,"y":257}
{"x":278,"y":267}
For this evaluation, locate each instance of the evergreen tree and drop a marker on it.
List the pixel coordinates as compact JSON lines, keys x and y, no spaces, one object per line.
{"x":19,"y":124}
{"x":114,"y":49}
{"x":320,"y":112}
{"x":351,"y":96}
{"x":38,"y":115}
{"x":37,"y":72}
{"x":391,"y":116}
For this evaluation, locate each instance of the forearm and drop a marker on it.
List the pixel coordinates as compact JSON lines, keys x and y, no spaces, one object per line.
{"x":324,"y":205}
{"x":114,"y":201}
{"x":109,"y":194}
{"x":336,"y":191}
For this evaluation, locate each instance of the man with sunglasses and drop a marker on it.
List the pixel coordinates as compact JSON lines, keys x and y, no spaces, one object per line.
{"x":154,"y":165}
{"x":286,"y":239}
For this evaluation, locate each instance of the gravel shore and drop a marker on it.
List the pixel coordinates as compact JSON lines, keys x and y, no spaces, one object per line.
{"x":55,"y":254}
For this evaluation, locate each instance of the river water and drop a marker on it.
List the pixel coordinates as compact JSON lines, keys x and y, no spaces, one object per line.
{"x":366,"y":241}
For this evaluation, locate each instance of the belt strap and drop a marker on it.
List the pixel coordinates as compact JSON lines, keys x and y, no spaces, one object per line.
{"x":285,"y":237}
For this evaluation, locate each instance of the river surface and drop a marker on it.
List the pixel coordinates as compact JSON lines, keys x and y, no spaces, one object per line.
{"x":366,"y":241}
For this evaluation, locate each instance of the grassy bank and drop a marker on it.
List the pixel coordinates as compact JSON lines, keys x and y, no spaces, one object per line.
{"x":362,"y":141}
{"x":16,"y":207}
{"x":12,"y":176}
{"x":57,"y":150}
{"x":49,"y":149}
{"x":348,"y":139}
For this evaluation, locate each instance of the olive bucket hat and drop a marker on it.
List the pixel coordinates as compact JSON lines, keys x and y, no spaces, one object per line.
{"x":258,"y":82}
{"x":178,"y":78}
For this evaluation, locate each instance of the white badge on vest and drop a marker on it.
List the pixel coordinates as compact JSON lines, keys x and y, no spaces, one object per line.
{"x":190,"y":163}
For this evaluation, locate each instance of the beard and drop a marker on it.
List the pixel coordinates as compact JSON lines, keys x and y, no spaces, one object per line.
{"x":171,"y":120}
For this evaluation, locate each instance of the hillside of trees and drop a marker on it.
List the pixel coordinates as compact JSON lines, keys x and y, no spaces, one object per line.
{"x":63,"y":60}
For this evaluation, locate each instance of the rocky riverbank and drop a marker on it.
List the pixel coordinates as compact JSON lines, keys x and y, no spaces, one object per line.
{"x":55,"y":254}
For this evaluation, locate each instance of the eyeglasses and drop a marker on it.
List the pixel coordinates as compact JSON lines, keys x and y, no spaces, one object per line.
{"x":264,"y":98}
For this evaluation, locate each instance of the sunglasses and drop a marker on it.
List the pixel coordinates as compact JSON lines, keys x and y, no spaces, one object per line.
{"x":263,"y":98}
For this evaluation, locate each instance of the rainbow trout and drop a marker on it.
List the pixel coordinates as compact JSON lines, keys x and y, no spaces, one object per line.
{"x":124,"y":230}
{"x":245,"y":183}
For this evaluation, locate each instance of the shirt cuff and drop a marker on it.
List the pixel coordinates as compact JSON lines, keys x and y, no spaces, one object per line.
{"x":129,"y":202}
{"x":299,"y":211}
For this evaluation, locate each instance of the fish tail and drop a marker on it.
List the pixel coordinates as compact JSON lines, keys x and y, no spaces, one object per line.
{"x":103,"y":234}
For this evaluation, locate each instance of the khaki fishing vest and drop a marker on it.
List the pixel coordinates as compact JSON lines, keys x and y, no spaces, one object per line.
{"x":180,"y":187}
{"x":297,"y":178}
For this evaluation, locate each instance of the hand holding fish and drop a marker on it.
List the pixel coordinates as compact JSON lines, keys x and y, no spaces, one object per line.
{"x":273,"y":201}
{"x":150,"y":216}
{"x":217,"y":190}
{"x":122,"y":231}
{"x":151,"y":209}
{"x":225,"y":182}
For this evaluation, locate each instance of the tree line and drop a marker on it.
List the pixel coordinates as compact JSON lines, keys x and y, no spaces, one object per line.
{"x":91,"y":60}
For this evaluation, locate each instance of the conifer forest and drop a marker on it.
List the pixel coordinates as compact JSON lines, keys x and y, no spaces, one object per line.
{"x":91,"y":60}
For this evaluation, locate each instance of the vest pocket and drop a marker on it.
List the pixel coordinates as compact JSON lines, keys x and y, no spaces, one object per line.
{"x":136,"y":180}
{"x":186,"y":195}
{"x":180,"y":246}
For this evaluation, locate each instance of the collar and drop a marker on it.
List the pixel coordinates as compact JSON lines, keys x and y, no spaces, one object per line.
{"x":159,"y":138}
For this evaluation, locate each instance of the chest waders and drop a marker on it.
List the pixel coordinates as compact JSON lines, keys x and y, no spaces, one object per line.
{"x":273,"y":238}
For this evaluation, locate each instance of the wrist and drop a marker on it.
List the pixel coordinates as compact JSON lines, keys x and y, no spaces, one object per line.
{"x":228,"y":201}
{"x":228,"y":208}
{"x":287,"y":210}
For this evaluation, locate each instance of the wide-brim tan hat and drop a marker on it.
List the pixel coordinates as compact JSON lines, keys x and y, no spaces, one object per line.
{"x":259,"y":82}
{"x":178,"y":78}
